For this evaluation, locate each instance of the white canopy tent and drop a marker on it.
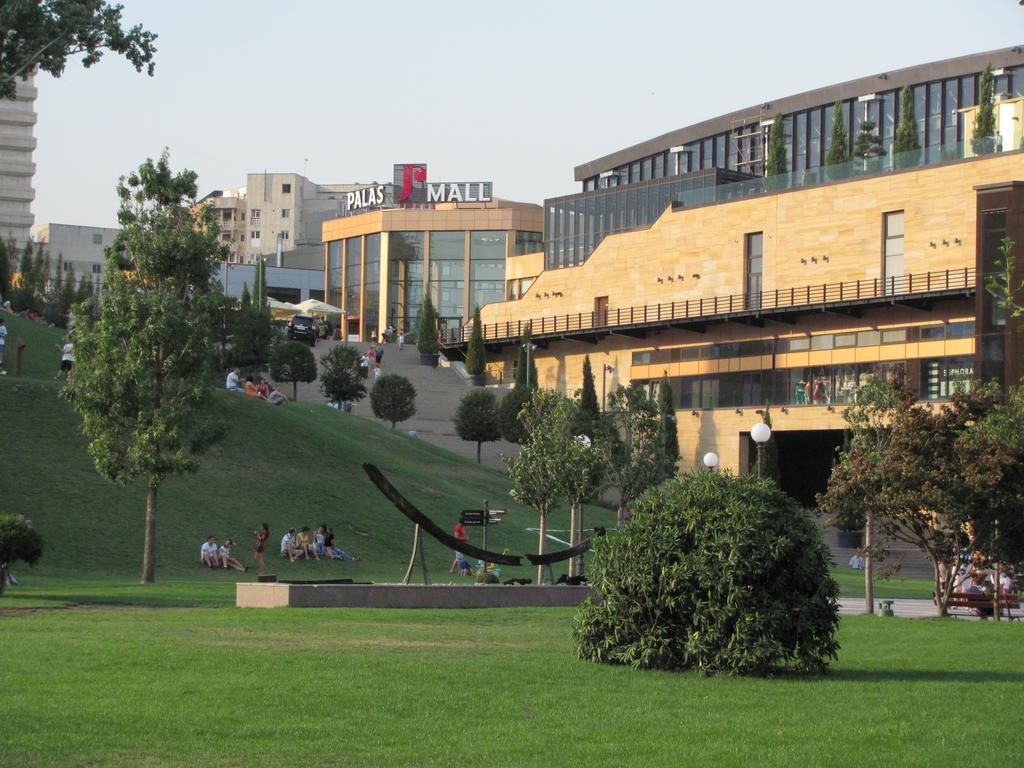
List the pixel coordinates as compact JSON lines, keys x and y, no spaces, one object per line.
{"x":317,"y":308}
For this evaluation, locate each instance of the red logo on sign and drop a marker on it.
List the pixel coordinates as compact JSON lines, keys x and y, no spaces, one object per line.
{"x":411,"y":173}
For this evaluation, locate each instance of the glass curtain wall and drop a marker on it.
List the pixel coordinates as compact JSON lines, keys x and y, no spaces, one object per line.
{"x":353,"y":275}
{"x":486,"y":268}
{"x":334,"y":292}
{"x":405,"y":279}
{"x":371,"y":289}
{"x":530,"y":242}
{"x":448,"y":273}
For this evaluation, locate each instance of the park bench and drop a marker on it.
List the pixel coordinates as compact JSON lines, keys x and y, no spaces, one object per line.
{"x":978,"y":600}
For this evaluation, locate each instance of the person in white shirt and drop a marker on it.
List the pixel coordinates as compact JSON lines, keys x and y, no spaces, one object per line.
{"x":3,"y":345}
{"x":67,"y":359}
{"x":857,"y":562}
{"x":233,"y":382}
{"x":208,"y":552}
{"x":290,"y":546}
{"x":226,"y":560}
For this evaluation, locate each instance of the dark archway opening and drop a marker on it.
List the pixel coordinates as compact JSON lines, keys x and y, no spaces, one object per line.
{"x":805,"y":461}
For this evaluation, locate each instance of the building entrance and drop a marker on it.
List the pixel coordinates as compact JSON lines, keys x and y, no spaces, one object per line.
{"x":805,"y":461}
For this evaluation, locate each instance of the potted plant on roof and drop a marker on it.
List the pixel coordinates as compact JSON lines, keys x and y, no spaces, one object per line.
{"x":476,"y":356}
{"x":426,"y":333}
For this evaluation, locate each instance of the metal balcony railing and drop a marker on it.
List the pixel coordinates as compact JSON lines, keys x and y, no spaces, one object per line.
{"x":776,"y":301}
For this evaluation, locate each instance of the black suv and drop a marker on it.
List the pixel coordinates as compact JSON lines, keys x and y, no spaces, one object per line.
{"x":304,"y":328}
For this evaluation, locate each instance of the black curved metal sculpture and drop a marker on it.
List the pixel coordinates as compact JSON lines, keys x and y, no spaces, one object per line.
{"x":428,"y":525}
{"x":563,"y":554}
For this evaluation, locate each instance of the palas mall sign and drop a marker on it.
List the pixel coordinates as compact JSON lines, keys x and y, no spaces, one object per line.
{"x":413,"y":189}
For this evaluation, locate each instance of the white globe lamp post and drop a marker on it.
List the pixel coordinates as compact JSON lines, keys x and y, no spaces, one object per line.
{"x":760,"y":433}
{"x":711,"y":460}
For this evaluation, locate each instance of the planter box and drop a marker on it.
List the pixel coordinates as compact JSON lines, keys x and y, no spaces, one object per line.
{"x":478,"y":379}
{"x":429,"y":359}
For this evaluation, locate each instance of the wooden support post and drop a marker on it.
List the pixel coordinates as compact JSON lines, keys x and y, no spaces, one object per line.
{"x":19,"y":350}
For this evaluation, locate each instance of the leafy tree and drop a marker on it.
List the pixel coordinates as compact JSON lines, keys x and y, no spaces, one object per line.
{"x":18,"y":541}
{"x":341,"y":379}
{"x":985,"y":117}
{"x":526,"y":366}
{"x":1003,"y":283}
{"x":393,"y":398}
{"x":67,"y":293}
{"x":535,"y":471}
{"x":868,"y":143}
{"x":589,"y":410}
{"x":675,"y":595}
{"x":509,"y":414}
{"x":905,"y":139}
{"x":293,"y":361}
{"x":583,"y":473}
{"x":632,"y":452}
{"x":669,"y":431}
{"x":839,"y":151}
{"x":935,"y":480}
{"x":252,"y":330}
{"x":45,"y":33}
{"x":476,"y":419}
{"x":84,"y":290}
{"x":140,"y":365}
{"x":476,"y":356}
{"x":426,"y":328}
{"x":777,"y":162}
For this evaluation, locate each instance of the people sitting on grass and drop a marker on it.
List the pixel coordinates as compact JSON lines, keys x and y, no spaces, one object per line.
{"x":333,"y":552}
{"x":305,"y":542}
{"x":233,"y":383}
{"x":226,"y":560}
{"x":290,"y":546}
{"x":276,"y":397}
{"x":465,"y":569}
{"x":250,"y":388}
{"x":208,"y":552}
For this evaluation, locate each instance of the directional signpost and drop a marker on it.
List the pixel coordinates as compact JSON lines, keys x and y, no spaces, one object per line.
{"x":483,"y":517}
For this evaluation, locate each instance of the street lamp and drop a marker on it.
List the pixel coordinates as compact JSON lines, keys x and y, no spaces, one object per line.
{"x":760,"y":433}
{"x":711,"y":460}
{"x":605,"y":369}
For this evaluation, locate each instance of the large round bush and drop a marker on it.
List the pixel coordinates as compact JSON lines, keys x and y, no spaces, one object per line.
{"x":713,"y":572}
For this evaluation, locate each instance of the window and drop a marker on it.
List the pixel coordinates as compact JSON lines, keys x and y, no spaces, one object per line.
{"x":66,"y":266}
{"x":254,"y":235}
{"x":225,"y":237}
{"x":960,"y":330}
{"x":869,"y":339}
{"x":894,"y":336}
{"x":97,"y":238}
{"x":284,"y":234}
{"x":799,"y":344}
{"x":845,"y":340}
{"x":932,"y":332}
{"x":286,"y":189}
{"x":754,"y":243}
{"x":893,"y":264}
{"x":97,"y":269}
{"x":825,"y":341}
{"x":285,"y":213}
{"x":255,"y":215}
{"x":241,"y":238}
{"x":225,"y":215}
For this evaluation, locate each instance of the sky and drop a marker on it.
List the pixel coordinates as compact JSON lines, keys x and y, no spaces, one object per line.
{"x":515,"y":93}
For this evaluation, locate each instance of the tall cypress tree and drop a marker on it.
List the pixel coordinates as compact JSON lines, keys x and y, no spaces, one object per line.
{"x":839,"y":151}
{"x":777,"y":162}
{"x":985,"y":119}
{"x":589,"y":408}
{"x":669,"y":435}
{"x":771,"y":452}
{"x":5,"y":270}
{"x":906,"y":130}
{"x":522,"y":378}
{"x":476,"y":356}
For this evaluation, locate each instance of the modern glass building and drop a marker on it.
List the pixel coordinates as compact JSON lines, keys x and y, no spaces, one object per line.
{"x":679,"y":167}
{"x":380,"y":264}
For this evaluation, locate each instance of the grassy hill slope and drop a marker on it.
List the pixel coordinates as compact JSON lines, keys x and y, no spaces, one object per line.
{"x":289,"y":466}
{"x":41,"y":359}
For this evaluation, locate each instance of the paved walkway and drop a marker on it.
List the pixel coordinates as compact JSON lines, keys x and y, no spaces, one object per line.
{"x":438,"y":392}
{"x":903,"y":608}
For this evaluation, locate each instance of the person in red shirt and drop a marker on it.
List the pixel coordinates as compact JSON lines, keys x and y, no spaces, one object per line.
{"x":459,"y":532}
{"x":261,"y":545}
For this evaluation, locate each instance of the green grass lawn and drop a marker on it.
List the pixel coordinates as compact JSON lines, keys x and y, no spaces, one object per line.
{"x":41,"y":357}
{"x":289,"y":466}
{"x":185,"y":687}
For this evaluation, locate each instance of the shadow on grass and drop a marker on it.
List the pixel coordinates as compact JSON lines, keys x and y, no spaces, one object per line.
{"x":923,"y":676}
